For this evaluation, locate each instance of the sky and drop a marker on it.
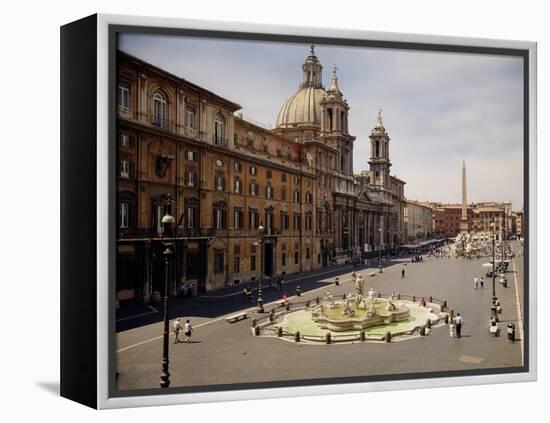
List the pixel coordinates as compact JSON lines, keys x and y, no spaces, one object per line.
{"x":438,"y":108}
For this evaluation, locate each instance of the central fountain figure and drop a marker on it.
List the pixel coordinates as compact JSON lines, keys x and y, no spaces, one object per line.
{"x":355,"y":312}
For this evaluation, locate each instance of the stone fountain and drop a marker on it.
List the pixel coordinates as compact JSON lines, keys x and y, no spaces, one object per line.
{"x":357,"y":312}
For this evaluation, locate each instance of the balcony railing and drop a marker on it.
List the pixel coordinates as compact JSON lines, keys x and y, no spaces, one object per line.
{"x":162,"y":123}
{"x":217,"y":140}
{"x":147,"y":233}
{"x":152,"y":233}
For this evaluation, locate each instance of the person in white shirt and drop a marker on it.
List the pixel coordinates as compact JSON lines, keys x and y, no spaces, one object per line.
{"x":177,"y":328}
{"x":458,"y":325}
{"x":187,"y":330}
{"x":476,"y":280}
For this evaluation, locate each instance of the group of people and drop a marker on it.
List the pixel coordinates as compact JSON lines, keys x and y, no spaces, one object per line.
{"x":478,"y":282}
{"x":187,"y":330}
{"x":455,"y":326}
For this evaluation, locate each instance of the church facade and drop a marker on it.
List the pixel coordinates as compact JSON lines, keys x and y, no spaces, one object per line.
{"x":184,"y":148}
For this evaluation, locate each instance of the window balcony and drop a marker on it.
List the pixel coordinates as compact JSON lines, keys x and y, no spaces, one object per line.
{"x":219,"y":140}
{"x":161,"y":123}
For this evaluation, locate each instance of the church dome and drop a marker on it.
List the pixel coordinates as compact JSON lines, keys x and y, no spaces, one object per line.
{"x":302,"y":108}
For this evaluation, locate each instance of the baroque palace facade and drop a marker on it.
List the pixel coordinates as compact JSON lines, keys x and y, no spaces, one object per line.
{"x":184,"y":147}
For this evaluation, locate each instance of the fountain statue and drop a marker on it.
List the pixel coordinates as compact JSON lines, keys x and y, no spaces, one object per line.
{"x":357,"y":312}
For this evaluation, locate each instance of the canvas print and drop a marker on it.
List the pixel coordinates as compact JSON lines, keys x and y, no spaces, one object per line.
{"x":298,"y":212}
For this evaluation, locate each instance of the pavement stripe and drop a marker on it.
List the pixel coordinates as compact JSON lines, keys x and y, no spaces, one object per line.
{"x":520,"y":320}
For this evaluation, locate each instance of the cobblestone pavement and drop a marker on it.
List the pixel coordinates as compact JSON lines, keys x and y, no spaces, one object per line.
{"x":223,"y":353}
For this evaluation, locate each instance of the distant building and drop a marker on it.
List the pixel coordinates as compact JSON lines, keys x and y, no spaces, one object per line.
{"x":418,"y":221}
{"x":480,"y":216}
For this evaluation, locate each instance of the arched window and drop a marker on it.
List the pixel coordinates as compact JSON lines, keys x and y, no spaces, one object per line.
{"x":219,"y":130}
{"x":159,"y":109}
{"x":377,"y":148}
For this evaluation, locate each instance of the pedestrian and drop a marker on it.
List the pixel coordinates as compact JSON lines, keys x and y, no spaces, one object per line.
{"x":177,"y":328}
{"x":481,"y":282}
{"x":451,"y":328}
{"x":403,"y":273}
{"x":476,"y":281}
{"x":458,"y":324}
{"x":187,"y":330}
{"x":189,"y":289}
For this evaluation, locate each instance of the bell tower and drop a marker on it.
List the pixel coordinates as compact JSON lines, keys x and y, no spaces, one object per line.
{"x":379,"y":162}
{"x":334,"y":127}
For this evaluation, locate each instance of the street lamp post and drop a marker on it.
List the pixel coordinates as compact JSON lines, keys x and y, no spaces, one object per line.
{"x":380,"y":250}
{"x":167,"y":221}
{"x":260,"y":307}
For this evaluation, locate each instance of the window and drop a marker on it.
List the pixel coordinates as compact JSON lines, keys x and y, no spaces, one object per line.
{"x":237,"y":264}
{"x":190,"y":178}
{"x":308,"y":253}
{"x":269,"y":191}
{"x":160,"y":215}
{"x":125,"y":168}
{"x":237,"y":167}
{"x":124,"y":140}
{"x":190,"y":117}
{"x":309,"y":198}
{"x":269,"y":223}
{"x":308,"y":222}
{"x":237,"y":186}
{"x":268,"y":174}
{"x":159,"y":109}
{"x":296,"y":180}
{"x":283,"y":177}
{"x":218,"y":262}
{"x":190,"y":217}
{"x":192,"y":155}
{"x":219,"y":128}
{"x":296,"y":196}
{"x":252,"y":263}
{"x":377,"y":148}
{"x":219,"y":217}
{"x":297,"y":222}
{"x":123,"y":96}
{"x":296,"y":257}
{"x":238,"y":219}
{"x":253,"y":188}
{"x":253,"y":219}
{"x":253,"y":170}
{"x":283,"y":193}
{"x":284,"y":221}
{"x":124,"y":215}
{"x":283,"y":259}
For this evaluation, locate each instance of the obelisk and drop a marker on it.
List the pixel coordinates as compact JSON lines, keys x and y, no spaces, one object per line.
{"x":464,"y":218}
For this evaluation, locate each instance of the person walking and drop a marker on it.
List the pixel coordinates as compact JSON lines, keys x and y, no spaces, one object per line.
{"x":481,"y":282}
{"x":476,"y":281}
{"x":451,"y":328}
{"x":403,"y":273}
{"x":187,"y":330}
{"x":458,"y":324}
{"x":177,"y":329}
